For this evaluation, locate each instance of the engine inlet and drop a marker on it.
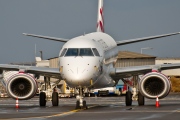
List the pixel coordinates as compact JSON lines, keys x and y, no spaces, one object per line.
{"x":154,"y":86}
{"x":21,"y":87}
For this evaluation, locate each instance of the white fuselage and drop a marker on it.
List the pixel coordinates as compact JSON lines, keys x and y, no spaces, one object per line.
{"x":81,"y":65}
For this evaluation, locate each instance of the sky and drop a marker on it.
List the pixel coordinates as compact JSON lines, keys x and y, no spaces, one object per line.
{"x":124,"y":19}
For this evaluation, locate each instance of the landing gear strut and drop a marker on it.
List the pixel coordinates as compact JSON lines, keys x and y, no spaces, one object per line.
{"x":135,"y":95}
{"x":80,"y":103}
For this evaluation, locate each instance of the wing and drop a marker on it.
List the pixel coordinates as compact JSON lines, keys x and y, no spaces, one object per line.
{"x":124,"y":72}
{"x":44,"y":71}
{"x":123,"y":42}
{"x":47,"y":37}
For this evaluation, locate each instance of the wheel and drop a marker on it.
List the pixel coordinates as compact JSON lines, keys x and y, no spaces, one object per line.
{"x":55,"y":99}
{"x":84,"y":105}
{"x":140,"y":99}
{"x":42,"y":99}
{"x":128,"y":98}
{"x":78,"y":105}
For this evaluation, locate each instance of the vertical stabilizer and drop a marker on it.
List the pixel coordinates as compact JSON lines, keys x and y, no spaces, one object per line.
{"x":100,"y":19}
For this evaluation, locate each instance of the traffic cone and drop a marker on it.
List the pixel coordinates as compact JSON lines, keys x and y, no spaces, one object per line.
{"x":17,"y":103}
{"x":157,"y":102}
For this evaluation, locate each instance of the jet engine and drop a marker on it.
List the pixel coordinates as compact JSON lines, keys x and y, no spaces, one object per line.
{"x":154,"y":84}
{"x":22,"y":86}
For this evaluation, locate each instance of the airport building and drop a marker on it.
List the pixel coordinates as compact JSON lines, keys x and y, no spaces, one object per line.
{"x":41,"y":63}
{"x":171,"y":72}
{"x":127,"y":58}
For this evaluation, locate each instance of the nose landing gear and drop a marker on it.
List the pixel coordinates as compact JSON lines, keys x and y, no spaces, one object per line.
{"x":80,"y":103}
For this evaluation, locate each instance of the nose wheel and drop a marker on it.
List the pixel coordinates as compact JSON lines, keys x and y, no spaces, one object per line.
{"x":80,"y":103}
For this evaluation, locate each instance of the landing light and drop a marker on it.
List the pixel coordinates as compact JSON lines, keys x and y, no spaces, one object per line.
{"x":95,"y":68}
{"x":61,"y":69}
{"x":91,"y":82}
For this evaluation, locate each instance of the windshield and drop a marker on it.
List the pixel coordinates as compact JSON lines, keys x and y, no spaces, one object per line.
{"x":72,"y":52}
{"x":63,"y":52}
{"x":79,"y":52}
{"x":95,"y":52}
{"x":86,"y":52}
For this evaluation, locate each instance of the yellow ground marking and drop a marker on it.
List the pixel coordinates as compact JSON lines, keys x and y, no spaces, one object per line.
{"x":50,"y":116}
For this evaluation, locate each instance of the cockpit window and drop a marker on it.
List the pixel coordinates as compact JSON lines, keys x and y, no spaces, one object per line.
{"x":72,"y":52}
{"x":85,"y":52}
{"x":63,"y":52}
{"x":79,"y":52}
{"x":95,"y":52}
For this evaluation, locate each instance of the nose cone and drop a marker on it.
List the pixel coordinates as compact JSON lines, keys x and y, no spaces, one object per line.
{"x":79,"y":70}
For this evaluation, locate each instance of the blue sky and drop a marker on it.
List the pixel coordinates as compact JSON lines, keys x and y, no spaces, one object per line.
{"x":124,"y":19}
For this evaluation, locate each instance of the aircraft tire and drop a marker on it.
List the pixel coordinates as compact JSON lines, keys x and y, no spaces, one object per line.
{"x":140,"y":99}
{"x":55,"y":99}
{"x":128,"y":98}
{"x":78,"y":104}
{"x":84,"y":105}
{"x":42,"y":99}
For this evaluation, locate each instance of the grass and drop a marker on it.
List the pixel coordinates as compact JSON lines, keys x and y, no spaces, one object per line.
{"x":175,"y":81}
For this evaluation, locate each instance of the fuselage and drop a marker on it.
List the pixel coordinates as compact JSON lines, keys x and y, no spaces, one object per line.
{"x":81,"y":60}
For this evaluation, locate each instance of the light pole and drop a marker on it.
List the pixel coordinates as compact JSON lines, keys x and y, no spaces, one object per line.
{"x":41,"y":55}
{"x":146,"y":48}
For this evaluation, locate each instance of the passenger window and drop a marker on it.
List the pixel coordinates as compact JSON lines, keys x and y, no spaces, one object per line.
{"x":72,"y":52}
{"x":95,"y":52}
{"x":63,"y":52}
{"x":86,"y":52}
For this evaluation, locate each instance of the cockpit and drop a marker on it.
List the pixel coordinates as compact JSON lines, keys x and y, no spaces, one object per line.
{"x":67,"y":52}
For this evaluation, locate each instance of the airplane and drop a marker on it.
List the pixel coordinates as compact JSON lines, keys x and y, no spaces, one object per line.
{"x":87,"y":61}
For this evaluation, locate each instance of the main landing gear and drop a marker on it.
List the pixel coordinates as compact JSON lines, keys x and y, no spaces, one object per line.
{"x":48,"y":93}
{"x":80,"y":103}
{"x":135,"y":95}
{"x":129,"y":99}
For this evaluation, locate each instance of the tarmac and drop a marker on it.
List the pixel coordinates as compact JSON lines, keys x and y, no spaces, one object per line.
{"x":99,"y":108}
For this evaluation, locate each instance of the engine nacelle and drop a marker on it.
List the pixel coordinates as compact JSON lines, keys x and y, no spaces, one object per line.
{"x":154,"y":84}
{"x":22,"y":86}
